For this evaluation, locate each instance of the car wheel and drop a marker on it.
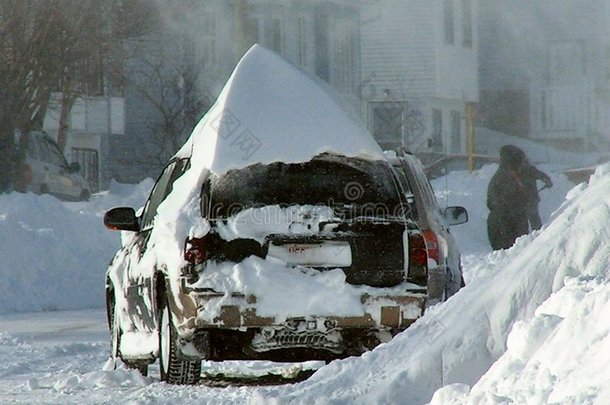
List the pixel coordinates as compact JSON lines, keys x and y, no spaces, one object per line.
{"x":173,"y":369}
{"x":84,"y":195}
{"x":115,"y":338}
{"x":44,"y":189}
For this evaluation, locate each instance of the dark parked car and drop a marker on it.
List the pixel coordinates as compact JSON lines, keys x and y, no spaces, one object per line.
{"x":303,"y":251}
{"x":46,"y":171}
{"x":445,"y":275}
{"x":438,"y":165}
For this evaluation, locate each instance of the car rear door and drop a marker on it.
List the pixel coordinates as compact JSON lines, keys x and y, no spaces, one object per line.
{"x":139,"y":288}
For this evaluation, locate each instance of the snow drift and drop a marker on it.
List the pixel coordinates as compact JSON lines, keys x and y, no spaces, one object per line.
{"x":457,"y":342}
{"x":53,"y":254}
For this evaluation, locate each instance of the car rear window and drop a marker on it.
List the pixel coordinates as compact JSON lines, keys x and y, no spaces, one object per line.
{"x":330,"y":180}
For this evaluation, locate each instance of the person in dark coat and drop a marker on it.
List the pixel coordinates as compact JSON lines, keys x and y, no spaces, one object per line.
{"x":506,"y":197}
{"x":529,"y":177}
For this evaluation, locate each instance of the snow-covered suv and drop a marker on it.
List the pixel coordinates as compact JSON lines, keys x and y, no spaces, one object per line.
{"x":277,"y":232}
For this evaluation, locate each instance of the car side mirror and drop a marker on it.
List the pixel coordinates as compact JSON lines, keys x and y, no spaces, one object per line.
{"x":121,"y":219}
{"x":456,"y":215}
{"x":74,"y":167}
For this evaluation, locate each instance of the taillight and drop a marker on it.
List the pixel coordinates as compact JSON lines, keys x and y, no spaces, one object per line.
{"x":432,"y":245}
{"x":27,"y":175}
{"x":417,"y":250}
{"x":25,"y":178}
{"x":194,"y":250}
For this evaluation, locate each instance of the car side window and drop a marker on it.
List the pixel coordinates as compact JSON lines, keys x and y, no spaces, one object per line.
{"x":32,"y":150}
{"x":407,"y":189}
{"x":43,"y":149}
{"x":51,"y":154}
{"x":57,"y":156}
{"x":161,"y":189}
{"x":426,"y":188}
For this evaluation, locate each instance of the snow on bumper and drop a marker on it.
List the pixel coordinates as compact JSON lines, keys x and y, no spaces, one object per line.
{"x":240,"y":312}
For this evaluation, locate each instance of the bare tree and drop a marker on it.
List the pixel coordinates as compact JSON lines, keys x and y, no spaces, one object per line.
{"x":48,"y":45}
{"x":167,"y":78}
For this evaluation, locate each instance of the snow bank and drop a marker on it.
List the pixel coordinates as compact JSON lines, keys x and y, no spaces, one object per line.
{"x":560,"y":352}
{"x":457,"y":342}
{"x":53,"y":254}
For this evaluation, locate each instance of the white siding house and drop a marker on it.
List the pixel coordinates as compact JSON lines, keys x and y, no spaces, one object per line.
{"x":570,"y":92}
{"x":419,"y":72}
{"x":319,"y":35}
{"x":91,"y":120}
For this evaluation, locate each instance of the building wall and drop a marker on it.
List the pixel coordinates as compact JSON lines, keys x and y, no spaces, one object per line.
{"x":408,"y":66}
{"x":92,"y":121}
{"x":545,"y":70}
{"x":211,"y":36}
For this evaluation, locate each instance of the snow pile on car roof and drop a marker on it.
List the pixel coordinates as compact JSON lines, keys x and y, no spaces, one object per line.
{"x":271,"y":110}
{"x":539,"y":319}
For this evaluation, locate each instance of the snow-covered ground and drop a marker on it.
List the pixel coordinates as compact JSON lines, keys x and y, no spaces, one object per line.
{"x":531,"y":326}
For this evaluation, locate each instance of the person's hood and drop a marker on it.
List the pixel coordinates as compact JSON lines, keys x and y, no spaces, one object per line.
{"x":511,"y":156}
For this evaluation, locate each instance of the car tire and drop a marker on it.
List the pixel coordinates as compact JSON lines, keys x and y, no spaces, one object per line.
{"x":84,"y":195}
{"x":173,"y":369}
{"x":115,"y":338}
{"x":44,"y":189}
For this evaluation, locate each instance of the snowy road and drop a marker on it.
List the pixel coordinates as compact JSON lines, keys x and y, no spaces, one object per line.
{"x":62,"y":357}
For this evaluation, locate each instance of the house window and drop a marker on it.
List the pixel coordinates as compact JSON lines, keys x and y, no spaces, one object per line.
{"x":456,"y":131}
{"x":208,"y":39}
{"x":302,"y":33}
{"x":387,"y":124}
{"x":467,"y":20}
{"x":436,"y":141}
{"x":543,"y":110}
{"x":566,"y":62}
{"x":448,"y":22}
{"x":255,"y":30}
{"x":276,"y":35}
{"x":89,"y":163}
{"x":322,"y":41}
{"x":344,"y":57}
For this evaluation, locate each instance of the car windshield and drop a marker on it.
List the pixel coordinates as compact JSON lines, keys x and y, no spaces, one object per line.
{"x":349,"y":185}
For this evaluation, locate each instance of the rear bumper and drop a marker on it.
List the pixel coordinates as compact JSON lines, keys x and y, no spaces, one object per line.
{"x":239,"y":312}
{"x":263,"y":337}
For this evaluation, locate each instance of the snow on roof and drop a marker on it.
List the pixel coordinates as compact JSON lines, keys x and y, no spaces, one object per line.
{"x":271,"y":110}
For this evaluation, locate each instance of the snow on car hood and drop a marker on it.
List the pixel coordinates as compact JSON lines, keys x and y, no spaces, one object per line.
{"x":271,"y":110}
